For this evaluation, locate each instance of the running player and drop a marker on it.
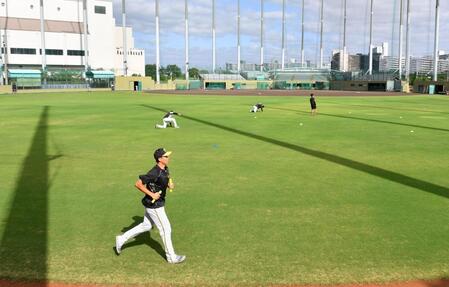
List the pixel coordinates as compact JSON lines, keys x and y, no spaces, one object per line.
{"x":154,"y":185}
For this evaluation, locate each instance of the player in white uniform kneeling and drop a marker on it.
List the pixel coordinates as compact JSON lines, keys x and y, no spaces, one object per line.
{"x":257,"y":108}
{"x":168,"y":120}
{"x":154,"y":185}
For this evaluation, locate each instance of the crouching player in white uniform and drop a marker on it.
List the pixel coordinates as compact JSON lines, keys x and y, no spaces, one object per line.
{"x":168,"y":120}
{"x":154,"y":185}
{"x":257,"y":108}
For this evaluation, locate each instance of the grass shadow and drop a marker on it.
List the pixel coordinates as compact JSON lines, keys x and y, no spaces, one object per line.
{"x":23,"y":248}
{"x":352,"y":164}
{"x":143,"y":238}
{"x":364,"y":119}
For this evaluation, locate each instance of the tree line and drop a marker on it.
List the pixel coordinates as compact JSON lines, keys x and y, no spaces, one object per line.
{"x":172,"y":72}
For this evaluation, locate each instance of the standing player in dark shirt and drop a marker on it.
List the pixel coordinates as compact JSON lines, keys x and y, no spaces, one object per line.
{"x":313,"y":104}
{"x":154,"y":185}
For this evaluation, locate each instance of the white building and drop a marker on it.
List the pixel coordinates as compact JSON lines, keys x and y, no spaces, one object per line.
{"x":20,"y":32}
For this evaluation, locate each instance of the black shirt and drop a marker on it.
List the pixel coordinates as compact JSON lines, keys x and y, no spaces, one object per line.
{"x":312,"y":102}
{"x":156,"y":180}
{"x":167,"y":115}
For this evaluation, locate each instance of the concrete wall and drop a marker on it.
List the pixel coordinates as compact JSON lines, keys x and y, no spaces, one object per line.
{"x":127,"y":83}
{"x":6,"y":89}
{"x":244,"y":84}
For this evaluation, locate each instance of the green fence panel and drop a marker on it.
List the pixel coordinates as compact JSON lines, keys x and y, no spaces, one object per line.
{"x":280,"y":85}
{"x":263,"y":85}
{"x":195,"y":85}
{"x":28,"y":82}
{"x":216,"y":86}
{"x":181,"y":87}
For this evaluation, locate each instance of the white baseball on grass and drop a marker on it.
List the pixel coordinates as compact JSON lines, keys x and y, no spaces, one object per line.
{"x":412,"y":131}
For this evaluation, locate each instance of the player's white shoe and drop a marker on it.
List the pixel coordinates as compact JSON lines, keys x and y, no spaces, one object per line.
{"x":118,"y":244}
{"x":176,"y":259}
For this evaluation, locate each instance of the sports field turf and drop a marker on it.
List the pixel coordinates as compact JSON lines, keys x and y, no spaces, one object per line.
{"x":358,"y":193}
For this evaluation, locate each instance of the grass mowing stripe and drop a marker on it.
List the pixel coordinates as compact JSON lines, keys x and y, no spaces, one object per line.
{"x":368,"y":120}
{"x":376,"y":171}
{"x":246,"y":212}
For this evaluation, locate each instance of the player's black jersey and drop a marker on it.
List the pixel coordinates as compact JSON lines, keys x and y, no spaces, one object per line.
{"x":156,"y":180}
{"x":312,"y":102}
{"x":169,"y":114}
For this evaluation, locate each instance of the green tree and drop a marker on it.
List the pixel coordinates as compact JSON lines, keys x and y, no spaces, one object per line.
{"x":194,"y":73}
{"x":150,"y":71}
{"x":173,"y":72}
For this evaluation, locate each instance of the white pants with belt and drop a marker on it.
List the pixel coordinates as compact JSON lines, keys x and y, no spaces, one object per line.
{"x":158,"y":217}
{"x":166,"y":122}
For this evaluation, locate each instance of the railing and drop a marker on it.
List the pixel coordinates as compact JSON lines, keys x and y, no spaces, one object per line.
{"x":65,"y":86}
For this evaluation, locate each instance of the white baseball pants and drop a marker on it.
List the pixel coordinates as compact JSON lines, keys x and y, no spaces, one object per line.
{"x":158,"y":217}
{"x":166,"y":122}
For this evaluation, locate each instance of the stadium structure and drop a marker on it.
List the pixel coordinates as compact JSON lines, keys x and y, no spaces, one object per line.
{"x":43,"y":39}
{"x":46,"y":40}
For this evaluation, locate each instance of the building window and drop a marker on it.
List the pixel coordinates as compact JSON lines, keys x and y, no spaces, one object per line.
{"x":53,"y":52}
{"x":100,"y":9}
{"x":75,"y":52}
{"x":23,"y":51}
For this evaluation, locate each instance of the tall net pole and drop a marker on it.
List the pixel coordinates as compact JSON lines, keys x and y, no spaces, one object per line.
{"x":283,"y":36}
{"x":158,"y":61}
{"x":407,"y":44}
{"x":187,"y":38}
{"x":344,"y":37}
{"x":238,"y":36}
{"x":125,"y":44}
{"x":302,"y":35}
{"x":321,"y":34}
{"x":370,"y":69}
{"x":261,"y":36}
{"x":43,"y":47}
{"x":213,"y":38}
{"x":86,"y":40}
{"x":400,"y":39}
{"x":436,"y":46}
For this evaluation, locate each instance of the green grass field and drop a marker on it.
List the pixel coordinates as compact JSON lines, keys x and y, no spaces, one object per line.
{"x":359,"y":193}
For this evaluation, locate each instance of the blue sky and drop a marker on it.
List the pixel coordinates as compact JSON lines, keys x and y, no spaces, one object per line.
{"x":140,"y":15}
